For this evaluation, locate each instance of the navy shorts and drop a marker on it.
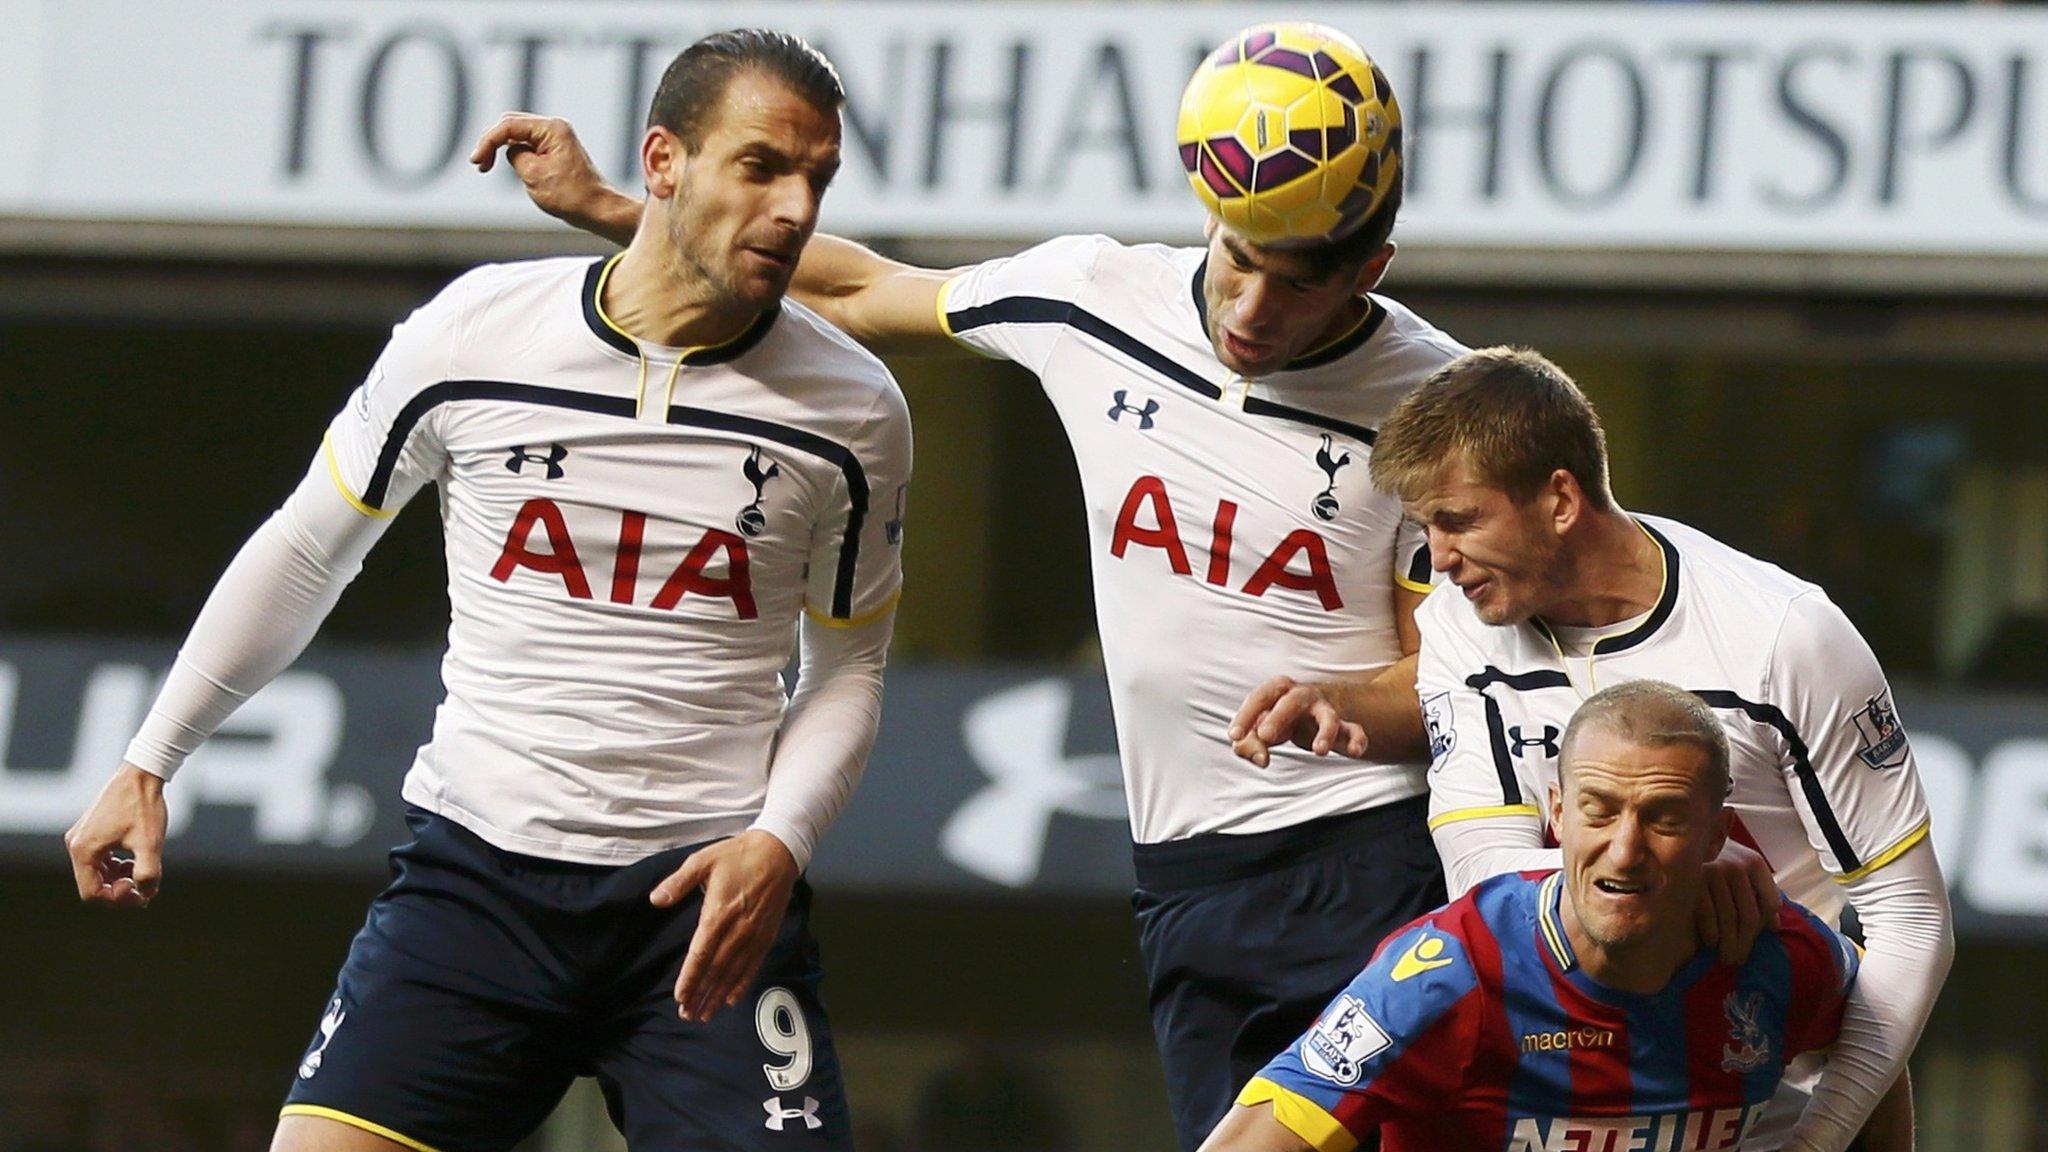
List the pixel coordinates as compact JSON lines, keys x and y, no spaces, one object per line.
{"x":484,"y":981}
{"x":1247,"y":938}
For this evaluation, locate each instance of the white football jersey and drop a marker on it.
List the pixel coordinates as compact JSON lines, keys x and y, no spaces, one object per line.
{"x":1823,"y":778}
{"x":1233,"y":532}
{"x":629,"y":543}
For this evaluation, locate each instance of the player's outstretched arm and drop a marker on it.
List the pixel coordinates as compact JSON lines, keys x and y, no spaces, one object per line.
{"x":886,"y":304}
{"x":261,"y":615}
{"x":1254,"y":1128}
{"x":559,"y":175}
{"x":1380,"y":712}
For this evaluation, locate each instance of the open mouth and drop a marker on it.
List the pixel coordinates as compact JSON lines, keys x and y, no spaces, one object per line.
{"x":1620,"y":887}
{"x":1244,"y":349}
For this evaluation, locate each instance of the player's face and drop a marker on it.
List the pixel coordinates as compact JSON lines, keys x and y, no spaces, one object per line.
{"x":1637,"y":827}
{"x":1505,"y":556}
{"x":747,"y":199}
{"x":1267,"y":306}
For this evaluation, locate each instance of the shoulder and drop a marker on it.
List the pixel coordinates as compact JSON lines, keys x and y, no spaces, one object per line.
{"x":1736,"y":589}
{"x":1413,"y":342}
{"x":1813,"y":948}
{"x":840,"y":379}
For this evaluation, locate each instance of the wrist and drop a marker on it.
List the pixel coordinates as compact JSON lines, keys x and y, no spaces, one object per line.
{"x":141,"y":780}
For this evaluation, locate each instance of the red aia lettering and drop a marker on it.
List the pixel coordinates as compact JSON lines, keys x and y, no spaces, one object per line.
{"x":689,"y":579}
{"x":1149,"y":490}
{"x":560,"y":558}
{"x":1275,"y":571}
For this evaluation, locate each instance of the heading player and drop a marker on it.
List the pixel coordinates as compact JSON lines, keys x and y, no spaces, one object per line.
{"x":1555,"y":590}
{"x":654,"y":474}
{"x":1574,"y":1008}
{"x":1221,"y":404}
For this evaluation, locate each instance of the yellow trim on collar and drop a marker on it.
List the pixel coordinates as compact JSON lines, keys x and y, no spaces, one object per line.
{"x":860,"y":621}
{"x":355,"y":1122}
{"x":1887,"y":856}
{"x":1457,"y":815}
{"x":334,"y":471}
{"x":1299,"y":1115}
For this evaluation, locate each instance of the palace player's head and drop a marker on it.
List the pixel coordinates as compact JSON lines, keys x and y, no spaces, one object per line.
{"x":1639,"y":809}
{"x":1503,"y":462}
{"x":742,"y":140}
{"x":1291,"y":138}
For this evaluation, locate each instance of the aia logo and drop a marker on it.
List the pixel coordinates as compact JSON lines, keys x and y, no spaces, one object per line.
{"x":693,"y":577}
{"x":1147,"y":500}
{"x":1123,"y":405}
{"x":751,"y":519}
{"x":1325,"y":504}
{"x":550,"y":460}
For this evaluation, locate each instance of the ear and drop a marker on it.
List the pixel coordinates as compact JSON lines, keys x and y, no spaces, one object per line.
{"x":1567,"y":501}
{"x":1209,"y":226}
{"x":1724,"y":823}
{"x":662,"y":157}
{"x":1554,"y":813}
{"x":1374,"y":270}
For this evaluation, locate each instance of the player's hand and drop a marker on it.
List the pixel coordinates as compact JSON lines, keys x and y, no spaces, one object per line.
{"x":1284,"y":709}
{"x":559,"y":175}
{"x":746,"y":883}
{"x":1739,"y":900}
{"x":117,"y":847}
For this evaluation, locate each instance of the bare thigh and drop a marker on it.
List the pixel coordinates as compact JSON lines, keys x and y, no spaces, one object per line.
{"x":299,"y":1133}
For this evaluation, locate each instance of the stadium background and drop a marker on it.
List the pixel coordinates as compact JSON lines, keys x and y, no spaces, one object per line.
{"x":1794,"y":252}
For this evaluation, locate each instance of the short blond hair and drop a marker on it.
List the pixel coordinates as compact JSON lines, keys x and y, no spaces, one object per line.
{"x":1654,"y":714}
{"x":1509,"y":413}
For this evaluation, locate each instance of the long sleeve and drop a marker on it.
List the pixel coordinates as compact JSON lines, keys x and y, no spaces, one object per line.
{"x":1908,"y":946}
{"x":262,"y":613}
{"x":827,"y":732}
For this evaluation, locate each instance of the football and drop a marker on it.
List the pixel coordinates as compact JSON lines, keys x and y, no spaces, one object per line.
{"x":1290,"y":134}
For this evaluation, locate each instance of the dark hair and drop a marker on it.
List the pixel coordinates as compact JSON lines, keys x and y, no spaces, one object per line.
{"x":1511,"y":415}
{"x":1361,"y":244}
{"x":696,"y":79}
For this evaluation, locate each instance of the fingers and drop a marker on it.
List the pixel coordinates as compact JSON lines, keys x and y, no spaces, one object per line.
{"x":513,"y":130}
{"x":1255,"y":705}
{"x":682,"y":881}
{"x":85,"y":869}
{"x":1331,"y":733}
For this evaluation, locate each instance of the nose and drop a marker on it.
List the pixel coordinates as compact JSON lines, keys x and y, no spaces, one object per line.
{"x":795,"y":203}
{"x":1626,"y":844}
{"x":1443,"y":555}
{"x":1257,"y":305}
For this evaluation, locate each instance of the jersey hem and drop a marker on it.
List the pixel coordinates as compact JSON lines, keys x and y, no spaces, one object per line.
{"x":340,"y":485}
{"x":1458,"y":815}
{"x":946,"y":323}
{"x":574,"y":849}
{"x":861,"y":620}
{"x":1299,"y":1115}
{"x":1890,"y":854}
{"x":369,"y":1126}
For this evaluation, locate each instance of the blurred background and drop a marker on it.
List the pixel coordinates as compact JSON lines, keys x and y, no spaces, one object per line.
{"x":1797,"y":254}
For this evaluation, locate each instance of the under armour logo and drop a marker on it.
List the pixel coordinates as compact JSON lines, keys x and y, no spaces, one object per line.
{"x":778,"y":1115}
{"x":552,"y":458}
{"x":751,"y":519}
{"x":1547,"y":741}
{"x":1144,"y":414}
{"x":1325,"y":503}
{"x":329,"y":1024}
